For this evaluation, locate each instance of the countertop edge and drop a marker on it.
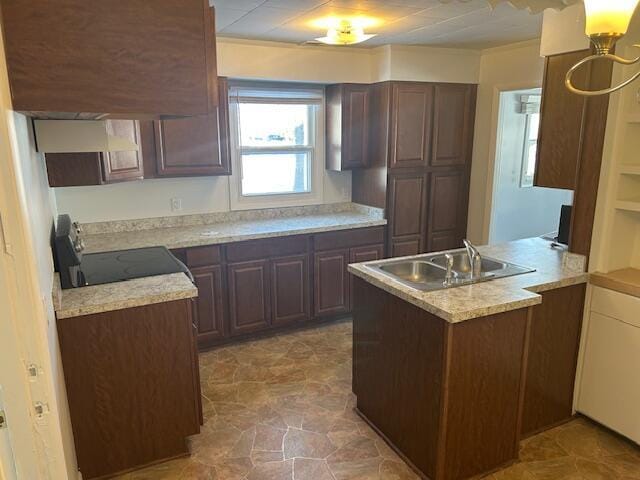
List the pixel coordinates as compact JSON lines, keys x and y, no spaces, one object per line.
{"x":110,"y":307}
{"x":534,"y":299}
{"x":92,"y":304}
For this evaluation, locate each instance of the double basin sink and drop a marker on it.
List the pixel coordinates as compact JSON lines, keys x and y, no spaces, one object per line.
{"x":429,"y":272}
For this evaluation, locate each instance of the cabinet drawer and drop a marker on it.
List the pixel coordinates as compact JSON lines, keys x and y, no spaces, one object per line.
{"x":266,"y":248}
{"x":203,"y":256}
{"x":348,"y":238}
{"x":616,"y":305}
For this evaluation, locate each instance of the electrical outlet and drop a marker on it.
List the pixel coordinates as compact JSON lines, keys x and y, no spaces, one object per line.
{"x":176,"y":204}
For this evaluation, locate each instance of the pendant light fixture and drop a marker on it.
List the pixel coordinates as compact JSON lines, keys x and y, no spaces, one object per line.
{"x":606,"y":22}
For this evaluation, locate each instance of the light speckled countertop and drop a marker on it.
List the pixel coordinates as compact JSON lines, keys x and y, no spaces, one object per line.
{"x":227,"y":228}
{"x":554,"y":269}
{"x":75,"y":302}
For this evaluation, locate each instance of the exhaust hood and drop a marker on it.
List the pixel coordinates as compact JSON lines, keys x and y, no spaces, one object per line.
{"x":78,"y":136}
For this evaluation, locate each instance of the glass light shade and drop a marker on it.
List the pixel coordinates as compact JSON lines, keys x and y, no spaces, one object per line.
{"x":608,"y":17}
{"x":345,"y":34}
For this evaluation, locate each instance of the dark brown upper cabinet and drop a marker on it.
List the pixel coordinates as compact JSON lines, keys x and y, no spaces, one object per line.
{"x":411,"y":120}
{"x":98,"y":168}
{"x":561,"y":123}
{"x":452,"y":122}
{"x":123,"y":166}
{"x":347,"y":126}
{"x":191,"y":146}
{"x":134,"y":58}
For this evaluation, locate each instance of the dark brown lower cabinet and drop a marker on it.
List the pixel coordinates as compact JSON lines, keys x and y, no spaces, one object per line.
{"x":251,"y":287}
{"x":209,"y":308}
{"x":249,"y":297}
{"x":552,"y":360}
{"x":446,"y":395}
{"x":132,"y":384}
{"x":290,"y":289}
{"x":331,"y":282}
{"x":366,"y":253}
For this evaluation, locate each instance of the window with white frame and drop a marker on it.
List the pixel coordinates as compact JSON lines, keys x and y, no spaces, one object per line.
{"x":276,"y":149}
{"x":530,"y":106}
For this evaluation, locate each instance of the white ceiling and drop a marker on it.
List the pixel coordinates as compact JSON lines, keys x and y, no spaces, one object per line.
{"x":465,"y":24}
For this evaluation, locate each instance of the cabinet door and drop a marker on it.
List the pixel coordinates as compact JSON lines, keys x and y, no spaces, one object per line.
{"x":554,"y":341}
{"x":74,"y":169}
{"x":367,"y":253}
{"x":407,"y":198}
{"x":249,"y":297}
{"x":411,"y":117}
{"x":453,"y":114}
{"x":561,"y":123}
{"x":355,"y":126}
{"x":609,"y":389}
{"x":290,"y":289}
{"x":447,"y":210}
{"x":122,"y":166}
{"x":195,"y":146}
{"x":209,"y":311}
{"x":127,"y":58}
{"x":331,"y":285}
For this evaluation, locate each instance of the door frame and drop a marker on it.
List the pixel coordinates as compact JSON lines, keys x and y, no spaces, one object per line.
{"x":40,"y":443}
{"x":494,"y":141}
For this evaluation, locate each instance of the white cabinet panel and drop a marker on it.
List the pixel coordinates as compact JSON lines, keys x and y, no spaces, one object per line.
{"x":610,"y":383}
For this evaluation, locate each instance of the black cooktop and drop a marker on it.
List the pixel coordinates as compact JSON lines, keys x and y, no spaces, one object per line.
{"x":108,"y":267}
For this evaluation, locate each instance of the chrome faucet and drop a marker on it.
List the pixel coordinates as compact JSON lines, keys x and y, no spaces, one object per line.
{"x":475,"y":259}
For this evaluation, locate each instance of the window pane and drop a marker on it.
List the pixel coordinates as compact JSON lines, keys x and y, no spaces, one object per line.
{"x":273,"y":125}
{"x":270,"y":173}
{"x":534,"y":125}
{"x":531,"y":160}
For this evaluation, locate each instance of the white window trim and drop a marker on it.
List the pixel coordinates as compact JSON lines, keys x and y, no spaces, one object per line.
{"x":526,"y":181}
{"x":316,"y":196}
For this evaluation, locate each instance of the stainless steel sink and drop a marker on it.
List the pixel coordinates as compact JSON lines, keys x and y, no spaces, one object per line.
{"x":428,"y":272}
{"x":415,"y":271}
{"x":462,"y":264}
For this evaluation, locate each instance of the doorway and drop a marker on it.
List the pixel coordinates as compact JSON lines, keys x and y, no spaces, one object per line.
{"x":520,"y":209}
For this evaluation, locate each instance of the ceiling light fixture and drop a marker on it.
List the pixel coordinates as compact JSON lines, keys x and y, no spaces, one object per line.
{"x":607,"y":22}
{"x":345,"y":32}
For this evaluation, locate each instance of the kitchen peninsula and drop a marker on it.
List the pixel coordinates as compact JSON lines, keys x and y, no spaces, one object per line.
{"x":454,"y":378}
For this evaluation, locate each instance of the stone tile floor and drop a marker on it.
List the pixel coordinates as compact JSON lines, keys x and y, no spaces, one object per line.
{"x":282,"y":409}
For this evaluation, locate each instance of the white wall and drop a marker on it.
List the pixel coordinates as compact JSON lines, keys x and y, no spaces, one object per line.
{"x":517,"y":66}
{"x":519,"y":212}
{"x":429,"y":64}
{"x":326,"y":64}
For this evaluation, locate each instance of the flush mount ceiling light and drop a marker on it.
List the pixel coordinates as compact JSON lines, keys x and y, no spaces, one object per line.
{"x":607,"y":22}
{"x":345,"y":31}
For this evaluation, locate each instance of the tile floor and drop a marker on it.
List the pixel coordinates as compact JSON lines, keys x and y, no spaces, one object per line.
{"x":281,"y":409}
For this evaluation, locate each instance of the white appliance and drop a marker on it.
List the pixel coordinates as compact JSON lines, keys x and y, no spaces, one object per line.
{"x":609,"y":388}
